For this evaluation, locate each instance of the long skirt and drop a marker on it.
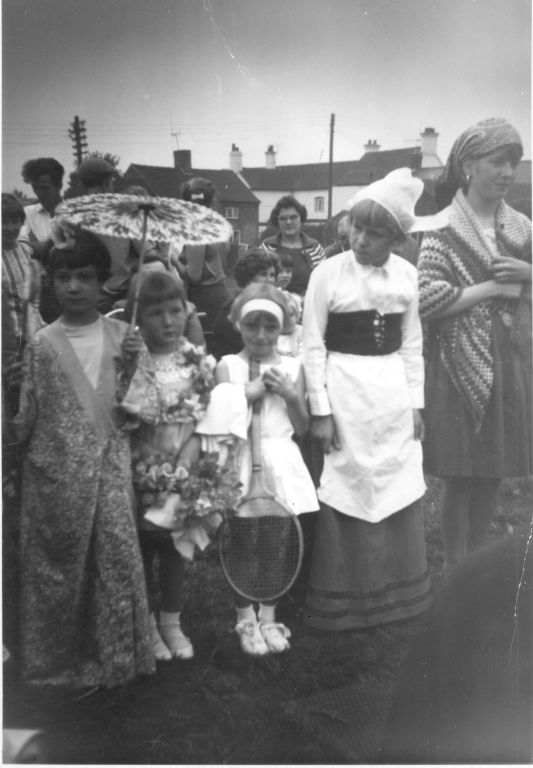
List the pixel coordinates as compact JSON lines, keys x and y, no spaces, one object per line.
{"x":503,"y":447}
{"x":365,"y":574}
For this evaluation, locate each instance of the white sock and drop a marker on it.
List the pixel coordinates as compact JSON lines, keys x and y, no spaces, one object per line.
{"x":169,"y":618}
{"x":247,"y":613}
{"x":266,"y":612}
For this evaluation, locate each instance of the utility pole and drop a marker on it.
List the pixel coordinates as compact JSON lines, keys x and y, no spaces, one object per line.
{"x":78,"y":136}
{"x":330,"y":169}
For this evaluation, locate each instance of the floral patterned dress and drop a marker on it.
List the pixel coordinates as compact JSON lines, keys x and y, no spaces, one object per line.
{"x":84,"y":613}
{"x":164,"y":400}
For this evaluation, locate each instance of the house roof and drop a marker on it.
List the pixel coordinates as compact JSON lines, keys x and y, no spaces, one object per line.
{"x":294,"y":178}
{"x":166,"y":182}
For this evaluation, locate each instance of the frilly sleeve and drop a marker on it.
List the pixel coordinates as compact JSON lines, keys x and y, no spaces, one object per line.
{"x":226,"y":420}
{"x":138,"y":396}
{"x":227,"y":412}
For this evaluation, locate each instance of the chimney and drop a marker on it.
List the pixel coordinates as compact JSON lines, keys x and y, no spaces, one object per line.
{"x":428,"y":143}
{"x":270,"y":157}
{"x":235,"y":159}
{"x":372,"y":146}
{"x":182,"y":159}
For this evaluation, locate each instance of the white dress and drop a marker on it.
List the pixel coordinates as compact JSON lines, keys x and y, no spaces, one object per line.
{"x":284,"y":470}
{"x":378,"y":470}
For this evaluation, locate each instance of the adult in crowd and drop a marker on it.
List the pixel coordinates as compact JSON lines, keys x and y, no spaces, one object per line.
{"x":204,"y":265}
{"x":21,"y":278}
{"x":98,"y":177}
{"x":287,"y":216}
{"x":475,"y":293}
{"x":255,"y":266}
{"x":342,"y":241}
{"x":45,"y":174}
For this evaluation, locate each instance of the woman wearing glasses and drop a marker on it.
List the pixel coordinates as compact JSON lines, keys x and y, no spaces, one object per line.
{"x":287,"y":216}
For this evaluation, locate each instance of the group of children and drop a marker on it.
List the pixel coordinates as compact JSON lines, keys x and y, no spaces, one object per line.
{"x":95,"y":394}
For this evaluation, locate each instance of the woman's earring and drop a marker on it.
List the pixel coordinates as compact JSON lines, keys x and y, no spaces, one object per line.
{"x":468,"y":178}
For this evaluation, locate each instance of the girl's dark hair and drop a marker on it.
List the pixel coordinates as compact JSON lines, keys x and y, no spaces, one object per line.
{"x":286,"y":260}
{"x":86,"y":250}
{"x":254,"y":261}
{"x":261,"y":291}
{"x":32,"y":170}
{"x":369,"y":213}
{"x":155,"y":287}
{"x":287,"y":201}
{"x":12,"y":208}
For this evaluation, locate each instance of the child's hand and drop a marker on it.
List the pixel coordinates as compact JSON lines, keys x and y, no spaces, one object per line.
{"x":280,"y":383}
{"x":132,"y":344}
{"x":418,"y":425}
{"x":323,"y":429}
{"x":255,"y":389}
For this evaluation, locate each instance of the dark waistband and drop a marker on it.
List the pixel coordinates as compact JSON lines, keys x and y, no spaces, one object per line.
{"x":364,"y":333}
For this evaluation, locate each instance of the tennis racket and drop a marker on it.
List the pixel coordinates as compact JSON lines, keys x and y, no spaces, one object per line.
{"x":261,"y":545}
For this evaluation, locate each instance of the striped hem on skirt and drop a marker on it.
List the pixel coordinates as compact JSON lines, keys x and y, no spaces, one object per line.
{"x":365,"y":574}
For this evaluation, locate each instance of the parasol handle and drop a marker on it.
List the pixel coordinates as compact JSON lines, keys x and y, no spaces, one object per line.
{"x":145,"y":208}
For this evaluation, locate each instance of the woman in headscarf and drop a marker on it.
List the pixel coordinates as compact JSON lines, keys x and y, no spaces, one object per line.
{"x":475,"y":291}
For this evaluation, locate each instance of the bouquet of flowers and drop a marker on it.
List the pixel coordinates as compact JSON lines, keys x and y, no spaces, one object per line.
{"x":189,"y":502}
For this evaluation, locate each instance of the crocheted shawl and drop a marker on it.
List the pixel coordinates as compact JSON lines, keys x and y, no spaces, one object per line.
{"x":454,"y":258}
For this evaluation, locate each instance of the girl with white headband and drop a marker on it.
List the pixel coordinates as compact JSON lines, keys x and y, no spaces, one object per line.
{"x":365,"y":376}
{"x":260,"y":312}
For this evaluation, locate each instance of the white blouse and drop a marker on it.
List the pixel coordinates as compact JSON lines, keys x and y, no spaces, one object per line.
{"x":341,"y":284}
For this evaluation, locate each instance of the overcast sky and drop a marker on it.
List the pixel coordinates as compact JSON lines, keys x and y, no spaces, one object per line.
{"x":256,"y":72}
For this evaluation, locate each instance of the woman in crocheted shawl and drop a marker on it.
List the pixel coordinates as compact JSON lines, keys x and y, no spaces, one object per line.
{"x":475,"y":291}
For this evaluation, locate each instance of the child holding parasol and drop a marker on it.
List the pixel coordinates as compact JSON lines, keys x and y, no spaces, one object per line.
{"x":84,"y":613}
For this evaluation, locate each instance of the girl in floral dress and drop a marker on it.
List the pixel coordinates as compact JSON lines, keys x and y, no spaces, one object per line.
{"x":165,"y":390}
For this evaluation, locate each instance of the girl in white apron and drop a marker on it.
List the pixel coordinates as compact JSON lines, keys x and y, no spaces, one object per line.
{"x":365,"y":377}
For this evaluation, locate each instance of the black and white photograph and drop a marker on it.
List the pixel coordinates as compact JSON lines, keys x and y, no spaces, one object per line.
{"x":267,"y":455}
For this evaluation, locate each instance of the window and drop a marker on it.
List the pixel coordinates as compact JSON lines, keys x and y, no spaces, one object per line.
{"x":236,"y":236}
{"x":319,"y":204}
{"x":232,"y":213}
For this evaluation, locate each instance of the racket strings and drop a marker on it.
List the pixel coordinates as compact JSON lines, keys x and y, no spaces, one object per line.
{"x":261,"y":556}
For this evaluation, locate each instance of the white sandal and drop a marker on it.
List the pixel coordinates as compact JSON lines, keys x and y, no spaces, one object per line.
{"x":275,"y":636}
{"x":252,"y":641}
{"x":178,"y":644}
{"x":159,"y":648}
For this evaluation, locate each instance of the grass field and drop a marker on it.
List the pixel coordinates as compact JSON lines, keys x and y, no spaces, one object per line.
{"x":223,"y":707}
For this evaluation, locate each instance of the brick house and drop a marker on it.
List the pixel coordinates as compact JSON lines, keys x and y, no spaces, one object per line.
{"x":235,"y":200}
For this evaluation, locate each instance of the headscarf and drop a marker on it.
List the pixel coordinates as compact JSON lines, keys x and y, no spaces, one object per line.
{"x":398,"y":192}
{"x":479,"y":140}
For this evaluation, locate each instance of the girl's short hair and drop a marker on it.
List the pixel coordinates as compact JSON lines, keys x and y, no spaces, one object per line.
{"x":86,"y":249}
{"x":155,"y":287}
{"x":369,"y":213}
{"x":287,"y":201}
{"x":260,"y":291}
{"x":254,"y":261}
{"x":12,"y":208}
{"x":286,"y":260}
